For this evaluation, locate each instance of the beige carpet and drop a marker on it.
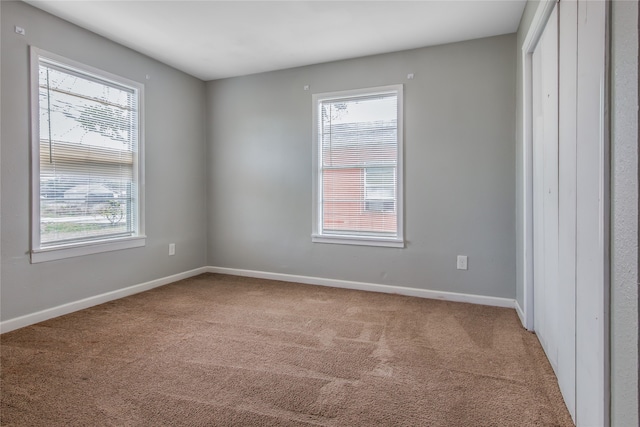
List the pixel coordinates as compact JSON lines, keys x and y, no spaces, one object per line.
{"x":219,"y":350}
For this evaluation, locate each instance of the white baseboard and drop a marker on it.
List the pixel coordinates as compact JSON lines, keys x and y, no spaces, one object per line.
{"x":400,"y":290}
{"x":40,"y":316}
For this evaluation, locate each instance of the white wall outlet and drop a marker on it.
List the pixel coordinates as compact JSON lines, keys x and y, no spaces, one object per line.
{"x":172,"y":248}
{"x":462,"y":262}
{"x":19,"y":30}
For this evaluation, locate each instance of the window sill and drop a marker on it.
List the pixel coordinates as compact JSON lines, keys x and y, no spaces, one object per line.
{"x":87,"y":248}
{"x":358,"y":240}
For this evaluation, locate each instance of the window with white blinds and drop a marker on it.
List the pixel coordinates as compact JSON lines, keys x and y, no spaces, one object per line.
{"x":358,"y":167}
{"x":87,"y":159}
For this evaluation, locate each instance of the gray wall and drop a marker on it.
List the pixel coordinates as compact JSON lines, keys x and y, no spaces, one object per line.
{"x":175,"y":169}
{"x":459,"y":170}
{"x":525,"y":23}
{"x":624,"y":214}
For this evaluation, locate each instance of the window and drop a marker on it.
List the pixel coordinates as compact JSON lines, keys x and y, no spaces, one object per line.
{"x":358,"y":167}
{"x":87,"y":159}
{"x":380,"y":189}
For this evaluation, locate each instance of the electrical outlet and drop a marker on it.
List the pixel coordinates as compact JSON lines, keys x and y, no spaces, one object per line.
{"x":462,"y":262}
{"x":172,"y":248}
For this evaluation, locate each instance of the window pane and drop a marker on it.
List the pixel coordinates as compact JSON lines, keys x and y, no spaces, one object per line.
{"x":87,"y":150}
{"x":380,"y":189}
{"x":360,"y":131}
{"x":358,"y":155}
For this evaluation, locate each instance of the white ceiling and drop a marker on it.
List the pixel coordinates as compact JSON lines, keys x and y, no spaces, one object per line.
{"x":217,"y":39}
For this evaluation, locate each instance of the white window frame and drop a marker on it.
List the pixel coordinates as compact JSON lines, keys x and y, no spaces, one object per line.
{"x":317,"y":235}
{"x":98,"y":245}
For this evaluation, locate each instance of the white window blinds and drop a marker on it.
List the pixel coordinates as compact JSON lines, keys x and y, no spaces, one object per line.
{"x":358,"y":142}
{"x":88,"y":146}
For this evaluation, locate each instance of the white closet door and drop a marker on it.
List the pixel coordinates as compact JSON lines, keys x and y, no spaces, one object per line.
{"x":554,"y":175}
{"x":568,"y":42}
{"x":545,"y":189}
{"x":570,"y":204}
